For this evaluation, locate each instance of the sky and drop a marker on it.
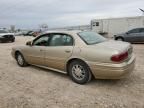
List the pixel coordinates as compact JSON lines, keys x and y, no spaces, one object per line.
{"x":60,"y":13}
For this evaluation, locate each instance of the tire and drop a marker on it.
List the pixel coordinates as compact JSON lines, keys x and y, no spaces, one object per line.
{"x":13,"y":40}
{"x":79,"y":72}
{"x":120,"y":39}
{"x":20,"y":60}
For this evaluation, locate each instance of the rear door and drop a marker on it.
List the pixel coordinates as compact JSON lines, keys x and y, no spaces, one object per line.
{"x":59,"y":50}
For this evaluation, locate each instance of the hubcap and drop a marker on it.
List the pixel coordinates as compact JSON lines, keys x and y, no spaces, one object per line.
{"x":78,"y":72}
{"x":20,"y":60}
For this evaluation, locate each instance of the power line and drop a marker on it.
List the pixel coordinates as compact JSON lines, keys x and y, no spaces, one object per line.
{"x":142,"y":11}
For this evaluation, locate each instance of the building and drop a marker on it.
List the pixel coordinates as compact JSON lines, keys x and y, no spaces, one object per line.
{"x":111,"y":26}
{"x":81,"y":27}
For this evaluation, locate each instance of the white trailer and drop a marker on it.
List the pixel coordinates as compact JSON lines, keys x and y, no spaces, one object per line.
{"x":110,"y":27}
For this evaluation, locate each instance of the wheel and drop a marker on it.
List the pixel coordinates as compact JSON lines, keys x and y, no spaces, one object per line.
{"x":120,"y":39}
{"x":13,"y":40}
{"x":20,"y":60}
{"x":79,"y":72}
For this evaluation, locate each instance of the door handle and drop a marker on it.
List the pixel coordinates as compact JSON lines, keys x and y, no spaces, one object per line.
{"x":67,"y":51}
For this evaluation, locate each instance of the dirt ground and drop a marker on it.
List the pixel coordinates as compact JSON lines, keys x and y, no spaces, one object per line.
{"x":33,"y":87}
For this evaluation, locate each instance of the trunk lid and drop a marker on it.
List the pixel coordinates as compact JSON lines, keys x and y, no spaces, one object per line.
{"x":115,"y":45}
{"x":107,"y":49}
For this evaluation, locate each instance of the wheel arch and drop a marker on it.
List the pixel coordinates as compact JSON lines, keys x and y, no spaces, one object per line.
{"x":120,"y":37}
{"x":75,"y":59}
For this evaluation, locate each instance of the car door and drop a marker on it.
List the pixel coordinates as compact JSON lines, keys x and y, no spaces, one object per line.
{"x":141,"y":35}
{"x":35,"y":52}
{"x":59,"y":50}
{"x":133,"y":35}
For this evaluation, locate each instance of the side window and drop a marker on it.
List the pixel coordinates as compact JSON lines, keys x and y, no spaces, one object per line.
{"x":61,"y":40}
{"x":142,"y":30}
{"x":134,"y":31}
{"x":67,"y":40}
{"x":42,"y":41}
{"x":97,"y":23}
{"x":56,"y":40}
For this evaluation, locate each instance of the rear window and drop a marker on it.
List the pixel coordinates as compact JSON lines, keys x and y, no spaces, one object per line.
{"x":91,"y":37}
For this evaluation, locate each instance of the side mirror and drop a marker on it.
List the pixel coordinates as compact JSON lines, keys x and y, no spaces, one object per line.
{"x":29,"y":43}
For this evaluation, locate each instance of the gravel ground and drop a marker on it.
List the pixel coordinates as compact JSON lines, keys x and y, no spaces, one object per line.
{"x":33,"y":87}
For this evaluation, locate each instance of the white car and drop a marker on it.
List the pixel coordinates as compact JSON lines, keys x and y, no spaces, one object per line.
{"x":6,"y":36}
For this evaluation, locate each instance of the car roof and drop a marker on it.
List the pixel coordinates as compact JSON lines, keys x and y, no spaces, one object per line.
{"x":64,"y":31}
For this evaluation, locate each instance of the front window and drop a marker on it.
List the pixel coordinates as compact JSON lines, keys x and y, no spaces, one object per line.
{"x":91,"y":37}
{"x":42,"y":41}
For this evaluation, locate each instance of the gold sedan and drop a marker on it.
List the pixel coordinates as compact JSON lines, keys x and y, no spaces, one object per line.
{"x":80,"y":54}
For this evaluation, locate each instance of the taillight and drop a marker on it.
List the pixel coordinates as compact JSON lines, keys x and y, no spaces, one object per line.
{"x":119,"y":57}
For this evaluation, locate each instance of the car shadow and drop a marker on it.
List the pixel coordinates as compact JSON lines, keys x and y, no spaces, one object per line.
{"x":50,"y":71}
{"x":93,"y":82}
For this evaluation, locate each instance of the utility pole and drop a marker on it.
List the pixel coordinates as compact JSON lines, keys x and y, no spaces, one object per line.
{"x":142,"y":11}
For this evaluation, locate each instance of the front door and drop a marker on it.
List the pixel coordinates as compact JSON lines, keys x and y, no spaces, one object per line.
{"x":35,"y":53}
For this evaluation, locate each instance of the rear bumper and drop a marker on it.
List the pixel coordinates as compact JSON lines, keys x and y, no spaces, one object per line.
{"x":112,"y":71}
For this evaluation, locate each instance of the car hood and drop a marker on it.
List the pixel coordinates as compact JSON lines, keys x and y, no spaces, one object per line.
{"x":120,"y":34}
{"x":113,"y":45}
{"x":2,"y":34}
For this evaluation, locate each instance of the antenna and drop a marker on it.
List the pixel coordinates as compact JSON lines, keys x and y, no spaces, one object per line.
{"x":142,"y":11}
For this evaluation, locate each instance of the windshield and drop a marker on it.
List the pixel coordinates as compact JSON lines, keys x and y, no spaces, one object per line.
{"x":2,"y":31}
{"x":91,"y":37}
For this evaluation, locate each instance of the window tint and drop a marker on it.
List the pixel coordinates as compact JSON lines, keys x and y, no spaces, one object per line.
{"x":42,"y":41}
{"x":134,"y":31}
{"x":142,"y":30}
{"x":67,"y":40}
{"x":61,"y":40}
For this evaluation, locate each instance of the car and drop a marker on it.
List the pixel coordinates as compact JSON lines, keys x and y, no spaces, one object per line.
{"x":80,"y":54}
{"x":6,"y":36}
{"x":27,"y":33}
{"x":18,"y":33}
{"x":35,"y":34}
{"x":133,"y":36}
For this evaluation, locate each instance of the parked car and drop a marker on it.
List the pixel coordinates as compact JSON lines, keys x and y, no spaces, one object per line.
{"x":35,"y":34}
{"x":18,"y":33}
{"x":31,"y":33}
{"x":134,"y":35}
{"x":80,"y":54}
{"x":6,"y":36}
{"x":28,"y":33}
